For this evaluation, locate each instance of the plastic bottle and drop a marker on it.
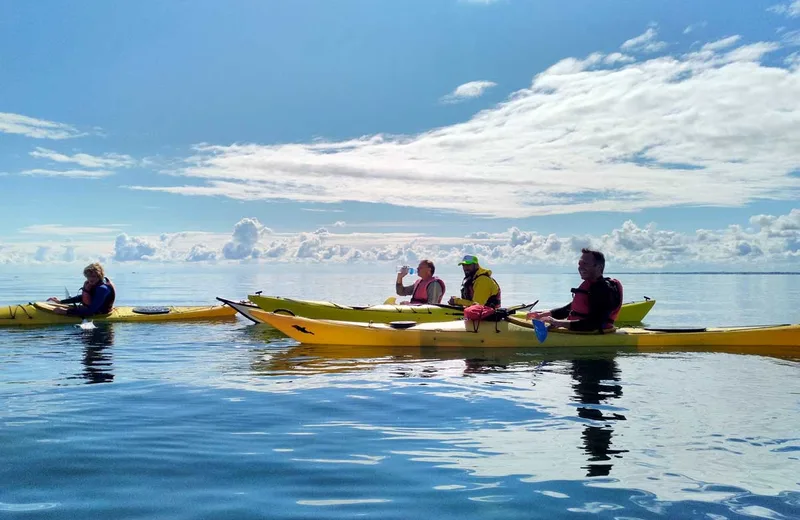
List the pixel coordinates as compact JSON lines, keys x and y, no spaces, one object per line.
{"x":411,"y":270}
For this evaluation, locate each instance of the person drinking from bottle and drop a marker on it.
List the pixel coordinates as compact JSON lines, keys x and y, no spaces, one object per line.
{"x":97,"y":295}
{"x":595,"y":303}
{"x":478,"y":287}
{"x":427,"y":289}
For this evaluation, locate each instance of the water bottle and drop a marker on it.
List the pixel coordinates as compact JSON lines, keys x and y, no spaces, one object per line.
{"x":411,"y":270}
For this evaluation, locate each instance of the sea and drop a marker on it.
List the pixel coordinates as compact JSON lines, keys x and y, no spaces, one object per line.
{"x":230,"y":420}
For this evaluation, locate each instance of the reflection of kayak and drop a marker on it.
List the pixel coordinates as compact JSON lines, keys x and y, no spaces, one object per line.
{"x":321,"y":310}
{"x":41,"y":313}
{"x":337,"y":359}
{"x":517,"y":333}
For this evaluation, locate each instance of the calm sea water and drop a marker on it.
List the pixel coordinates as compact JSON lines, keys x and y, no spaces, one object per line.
{"x":229,"y":420}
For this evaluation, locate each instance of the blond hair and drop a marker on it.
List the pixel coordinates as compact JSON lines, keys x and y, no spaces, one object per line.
{"x":95,"y":268}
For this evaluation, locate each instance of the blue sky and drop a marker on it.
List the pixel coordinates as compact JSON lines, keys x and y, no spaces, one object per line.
{"x":150,"y":81}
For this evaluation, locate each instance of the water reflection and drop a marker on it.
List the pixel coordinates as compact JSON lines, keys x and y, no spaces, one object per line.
{"x":592,"y":388}
{"x":97,"y":362}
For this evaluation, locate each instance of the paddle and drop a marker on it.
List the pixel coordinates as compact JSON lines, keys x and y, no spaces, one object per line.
{"x":511,"y":310}
{"x":541,"y":330}
{"x":84,"y":324}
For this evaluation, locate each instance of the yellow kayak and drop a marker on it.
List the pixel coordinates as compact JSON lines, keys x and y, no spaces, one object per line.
{"x":630,"y":313}
{"x":41,"y":313}
{"x":513,"y":332}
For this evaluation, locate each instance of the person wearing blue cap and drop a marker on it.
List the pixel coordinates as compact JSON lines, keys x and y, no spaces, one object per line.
{"x":478,"y":287}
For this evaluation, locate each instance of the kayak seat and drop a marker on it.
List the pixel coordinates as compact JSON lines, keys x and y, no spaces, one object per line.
{"x":675,"y":329}
{"x":402,"y":324}
{"x":150,"y":310}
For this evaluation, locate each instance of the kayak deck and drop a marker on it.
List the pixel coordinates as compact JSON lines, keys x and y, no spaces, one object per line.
{"x":41,"y":313}
{"x":630,"y":313}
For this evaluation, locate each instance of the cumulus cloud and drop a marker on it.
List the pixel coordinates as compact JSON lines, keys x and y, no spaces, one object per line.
{"x":75,"y":174}
{"x":36,"y":128}
{"x":42,"y":253}
{"x":128,"y":249}
{"x":767,"y":242}
{"x":246,"y":234}
{"x":713,"y":127}
{"x":470,"y":90}
{"x":69,"y":254}
{"x":645,"y":42}
{"x":792,"y":9}
{"x":108,"y":160}
{"x":201,"y":253}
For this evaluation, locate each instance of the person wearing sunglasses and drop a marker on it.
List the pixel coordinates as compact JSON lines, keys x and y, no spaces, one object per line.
{"x":478,"y":287}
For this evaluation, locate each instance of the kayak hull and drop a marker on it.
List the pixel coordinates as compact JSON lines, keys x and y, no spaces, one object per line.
{"x":518,"y":333}
{"x":41,"y":314}
{"x":630,"y":313}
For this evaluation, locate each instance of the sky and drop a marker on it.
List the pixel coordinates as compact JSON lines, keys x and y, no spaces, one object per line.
{"x":664,"y":133}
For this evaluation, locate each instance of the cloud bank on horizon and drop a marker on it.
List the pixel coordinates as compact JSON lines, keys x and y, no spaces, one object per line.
{"x":770,"y":243}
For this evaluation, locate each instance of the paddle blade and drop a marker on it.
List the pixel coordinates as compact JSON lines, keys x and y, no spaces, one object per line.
{"x":87,"y":325}
{"x":391,"y":300}
{"x":66,"y":292}
{"x":541,"y":330}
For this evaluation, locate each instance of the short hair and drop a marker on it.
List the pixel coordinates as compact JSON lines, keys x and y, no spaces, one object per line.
{"x":429,"y":264}
{"x":95,"y":268}
{"x":599,"y":258}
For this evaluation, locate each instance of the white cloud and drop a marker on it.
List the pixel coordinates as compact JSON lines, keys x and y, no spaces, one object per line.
{"x":645,"y":42}
{"x":617,"y":58}
{"x":75,"y":174}
{"x":793,"y":61}
{"x":482,"y":2}
{"x":109,"y":160}
{"x":36,"y":128}
{"x":246,"y":234}
{"x":791,"y":38}
{"x":470,"y":90}
{"x":127,"y":249}
{"x":339,"y":223}
{"x":201,"y":253}
{"x":708,"y":128}
{"x":69,"y":254}
{"x":320,"y":210}
{"x":42,"y":254}
{"x":695,"y":27}
{"x":721,"y":44}
{"x":61,"y":230}
{"x":792,"y":10}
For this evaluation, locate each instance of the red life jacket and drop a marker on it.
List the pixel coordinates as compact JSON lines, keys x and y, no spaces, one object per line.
{"x":580,"y":302}
{"x":86,"y":297}
{"x":420,"y":295}
{"x":468,"y":291}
